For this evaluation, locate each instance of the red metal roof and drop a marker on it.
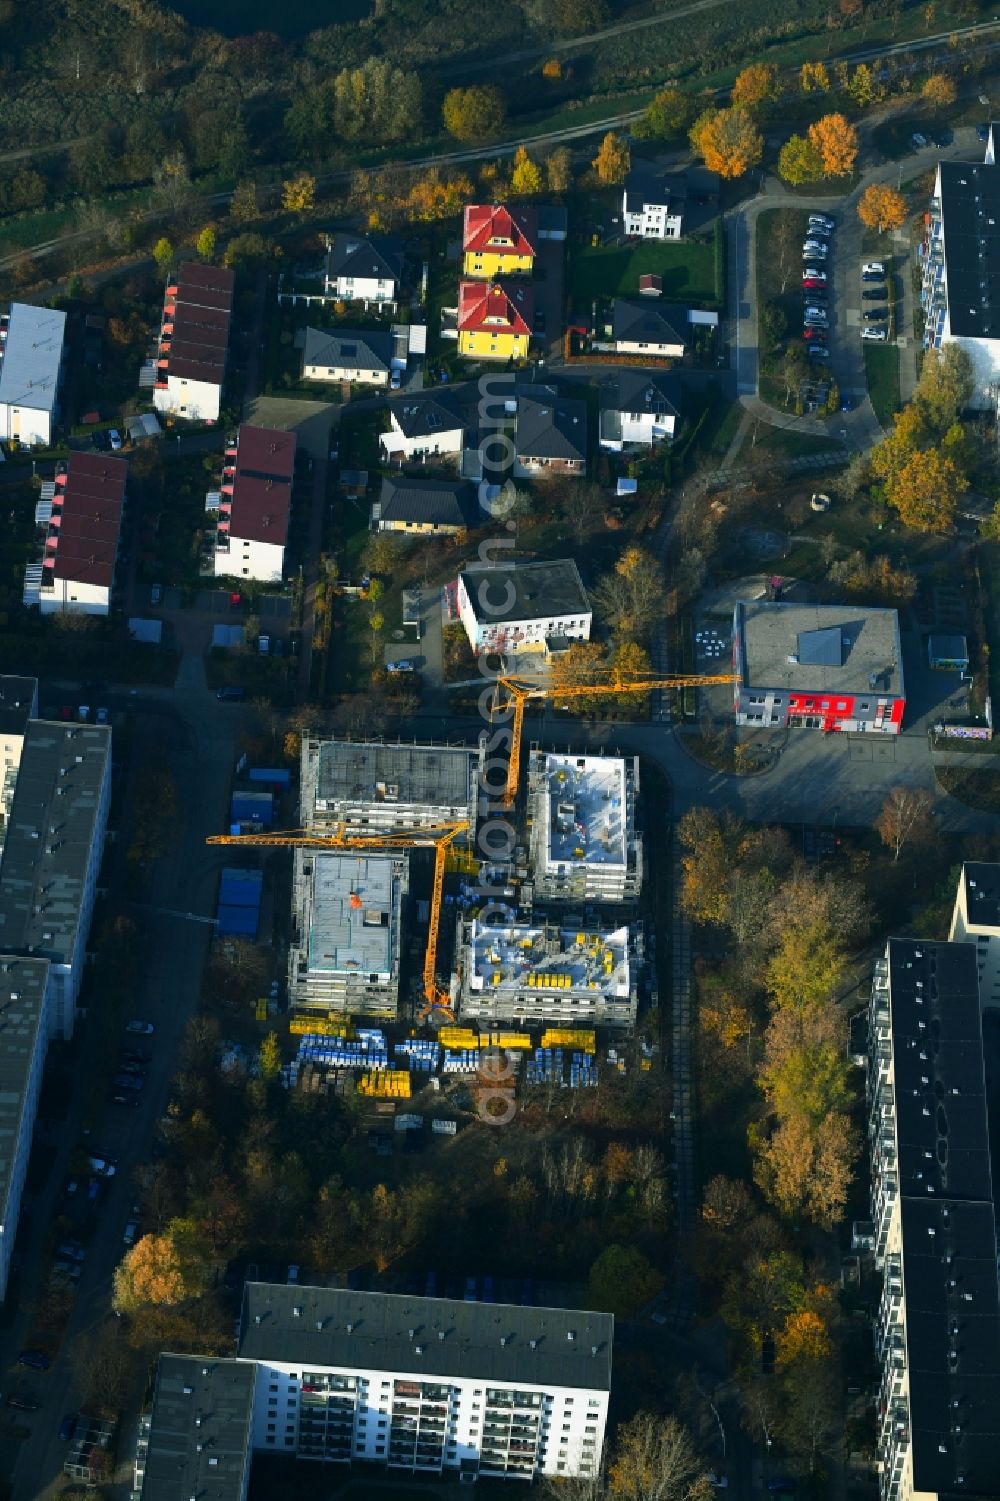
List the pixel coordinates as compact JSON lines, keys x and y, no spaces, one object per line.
{"x":91,"y":513}
{"x":262,"y":487}
{"x":202,"y":308}
{"x":486,"y":222}
{"x":494,"y":308}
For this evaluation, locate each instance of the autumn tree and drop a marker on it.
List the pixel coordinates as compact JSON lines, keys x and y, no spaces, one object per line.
{"x":804,"y":1336}
{"x":756,"y":84}
{"x":939,"y":91}
{"x":881,"y":208}
{"x":655,"y":1460}
{"x":877,"y":580}
{"x":926,"y":492}
{"x":163,"y":255}
{"x":667,"y":116}
{"x":944,"y":387}
{"x":205,"y":243}
{"x":807,"y":966}
{"x":474,"y":113}
{"x":298,"y":195}
{"x":864,"y":85}
{"x":526,"y":176}
{"x":728,"y":140}
{"x":805,"y":1073}
{"x":631,"y":598}
{"x":150,"y":1272}
{"x":269,"y":1056}
{"x":836,"y":140}
{"x":622,"y":1280}
{"x":905,"y":819}
{"x":705,"y":865}
{"x":584,"y":662}
{"x":613,"y":160}
{"x":243,"y":206}
{"x":437,"y":194}
{"x":814,"y":78}
{"x":552,"y":68}
{"x":559,"y":170}
{"x":799,"y":161}
{"x":807,"y":1170}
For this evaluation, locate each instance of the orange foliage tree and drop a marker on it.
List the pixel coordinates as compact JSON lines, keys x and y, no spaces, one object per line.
{"x":728,"y":140}
{"x":939,"y":91}
{"x":756,"y":85}
{"x":926,"y":492}
{"x":836,"y":140}
{"x":881,"y":207}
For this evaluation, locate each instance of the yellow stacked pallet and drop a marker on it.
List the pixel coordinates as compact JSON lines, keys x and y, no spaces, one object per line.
{"x":513,"y":1041}
{"x":566,"y":1037}
{"x":262,"y":1009}
{"x":385,"y":1084}
{"x":457,"y":1038}
{"x":320,"y":1025}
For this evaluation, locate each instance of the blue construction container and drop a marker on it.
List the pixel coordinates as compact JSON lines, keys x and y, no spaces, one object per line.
{"x":240,"y":888}
{"x":252,"y":807}
{"x":238,"y":922}
{"x":271,"y":776}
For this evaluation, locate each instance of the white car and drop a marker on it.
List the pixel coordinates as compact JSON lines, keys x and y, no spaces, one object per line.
{"x":873,"y":268}
{"x":131,"y":1229}
{"x":813,"y":273}
{"x":824,"y":220}
{"x":817,"y":247}
{"x":401,"y":666}
{"x":115,"y":439}
{"x":876,"y":335}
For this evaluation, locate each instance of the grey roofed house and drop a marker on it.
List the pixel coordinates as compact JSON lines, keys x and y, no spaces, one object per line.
{"x":428,"y":502}
{"x":348,"y":349}
{"x":532,"y":590}
{"x":424,"y":413}
{"x":200,"y":1430}
{"x":643,"y":185}
{"x":646,"y":323}
{"x":551,"y":429}
{"x":364,"y":259}
{"x":439,"y":1337}
{"x":49,"y":837}
{"x":637,"y":391}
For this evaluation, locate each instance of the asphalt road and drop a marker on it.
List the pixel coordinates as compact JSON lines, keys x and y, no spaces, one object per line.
{"x":202,"y":736}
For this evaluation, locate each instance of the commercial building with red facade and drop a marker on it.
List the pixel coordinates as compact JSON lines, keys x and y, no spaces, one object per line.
{"x":824,"y":667}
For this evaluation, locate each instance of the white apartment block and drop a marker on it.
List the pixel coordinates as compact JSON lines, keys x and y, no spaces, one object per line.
{"x":976,"y":919}
{"x":427,"y":1385}
{"x":18,"y":705}
{"x":196,"y":1439}
{"x":523,"y":607}
{"x":190,"y":361}
{"x":584,"y":842}
{"x":52,"y":854}
{"x":344,"y":954}
{"x":31,"y":361}
{"x":25,"y":997}
{"x":937,"y":1330}
{"x":254,"y":504}
{"x":372,"y":788}
{"x":82,"y":519}
{"x":538,"y":972}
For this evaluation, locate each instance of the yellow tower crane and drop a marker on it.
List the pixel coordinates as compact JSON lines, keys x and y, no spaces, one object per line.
{"x":518,"y":695}
{"x":436,"y":836}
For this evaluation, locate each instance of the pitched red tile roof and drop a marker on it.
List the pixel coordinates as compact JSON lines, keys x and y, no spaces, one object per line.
{"x":487,"y":221}
{"x":262,"y":486}
{"x":481,"y":304}
{"x":202,"y":307}
{"x":89,"y":508}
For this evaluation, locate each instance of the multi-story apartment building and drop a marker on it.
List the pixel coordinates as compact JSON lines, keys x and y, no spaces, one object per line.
{"x":373,"y":788}
{"x":31,"y":362}
{"x":539,"y":972}
{"x":584,"y":841}
{"x":346,"y":943}
{"x":18,"y":705}
{"x":976,"y":919}
{"x":960,"y":249}
{"x":938,"y":1325}
{"x":254,"y":505}
{"x":828,"y":667}
{"x":190,"y":361}
{"x":197,"y":1438}
{"x":52,"y":854}
{"x":25,"y":1023}
{"x":83,"y":522}
{"x":523,"y":607}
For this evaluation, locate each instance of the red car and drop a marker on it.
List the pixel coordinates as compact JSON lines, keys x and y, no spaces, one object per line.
{"x":815,"y":333}
{"x":810,"y":282}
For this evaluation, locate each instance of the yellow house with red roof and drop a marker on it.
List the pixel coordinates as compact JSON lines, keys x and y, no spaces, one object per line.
{"x":497,"y":241}
{"x":494,"y":321}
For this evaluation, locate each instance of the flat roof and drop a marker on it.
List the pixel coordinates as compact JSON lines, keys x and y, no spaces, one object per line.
{"x":200,"y":1429}
{"x":981,"y":880}
{"x":22,"y":1011}
{"x":18,"y":701}
{"x":970,"y":215}
{"x":775,"y":640}
{"x":50,"y":833}
{"x":526,"y":956}
{"x":492,"y":1342}
{"x":586,"y":811}
{"x":940,"y":1085}
{"x":348,"y":771}
{"x":262,"y":485}
{"x":90,"y":518}
{"x":202,"y":310}
{"x":534,"y":590}
{"x":32,"y":356}
{"x":352,"y":921}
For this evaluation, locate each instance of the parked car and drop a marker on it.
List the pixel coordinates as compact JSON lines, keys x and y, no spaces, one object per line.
{"x":120,"y":1097}
{"x":815,"y":272}
{"x":873,"y":276}
{"x":876,"y":314}
{"x":817,"y":335}
{"x":127,"y":1081}
{"x":818,"y":352}
{"x":115,"y":439}
{"x":815,"y":247}
{"x":395,"y":380}
{"x":72,"y":1250}
{"x":942,"y":136}
{"x":783,"y":1484}
{"x":403,"y":665}
{"x":878,"y":335}
{"x":104,"y":1167}
{"x":156,"y":594}
{"x":68,"y":1269}
{"x":871,"y":268}
{"x":811,"y":282}
{"x":918,"y":141}
{"x":983,"y":132}
{"x":67,"y":1427}
{"x":36,"y":1360}
{"x":101,"y":717}
{"x":488,"y":1294}
{"x":873,"y":295}
{"x":230,"y":695}
{"x":130,"y":1232}
{"x":141,"y":1028}
{"x":824,"y":219}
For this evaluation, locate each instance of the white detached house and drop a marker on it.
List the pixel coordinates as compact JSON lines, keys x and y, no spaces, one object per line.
{"x":652,"y":206}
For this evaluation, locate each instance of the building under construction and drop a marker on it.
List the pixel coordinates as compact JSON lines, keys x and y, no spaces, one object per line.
{"x":373,"y":788}
{"x":584,"y":843}
{"x":346,"y":932}
{"x":545,"y":973}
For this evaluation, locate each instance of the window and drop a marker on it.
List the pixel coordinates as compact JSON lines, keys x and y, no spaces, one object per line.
{"x":270,"y":1438}
{"x":270,"y":1427}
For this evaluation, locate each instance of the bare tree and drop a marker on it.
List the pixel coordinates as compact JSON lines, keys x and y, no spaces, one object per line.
{"x":103,"y":1362}
{"x":905,"y":819}
{"x":655,"y":1460}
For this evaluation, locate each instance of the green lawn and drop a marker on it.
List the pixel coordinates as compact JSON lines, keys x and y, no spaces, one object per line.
{"x":882,"y":369}
{"x":688,"y":269}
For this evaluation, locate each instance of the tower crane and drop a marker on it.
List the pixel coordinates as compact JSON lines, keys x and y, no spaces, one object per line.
{"x":435,"y":836}
{"x":518,"y":695}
